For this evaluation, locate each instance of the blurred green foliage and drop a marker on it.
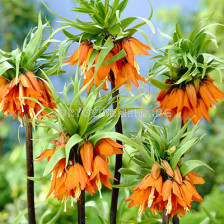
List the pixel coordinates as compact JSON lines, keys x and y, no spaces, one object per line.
{"x":17,"y":18}
{"x":13,"y":165}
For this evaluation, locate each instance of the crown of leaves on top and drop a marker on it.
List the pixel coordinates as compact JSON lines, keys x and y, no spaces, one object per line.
{"x":105,"y":22}
{"x":186,"y":59}
{"x":82,"y":119}
{"x":33,"y":56}
{"x":162,"y":144}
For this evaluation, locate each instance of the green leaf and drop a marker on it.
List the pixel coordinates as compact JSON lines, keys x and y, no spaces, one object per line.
{"x":178,"y":31}
{"x":86,"y":113}
{"x":34,"y":43}
{"x":36,"y":178}
{"x":92,"y":59}
{"x":113,"y":122}
{"x":126,"y":171}
{"x":160,"y":85}
{"x":107,"y":47}
{"x":181,"y":151}
{"x":69,"y":35}
{"x":115,"y":58}
{"x":58,"y":155}
{"x":75,"y":139}
{"x":125,"y":185}
{"x":189,"y":165}
{"x":176,"y":138}
{"x":5,"y":66}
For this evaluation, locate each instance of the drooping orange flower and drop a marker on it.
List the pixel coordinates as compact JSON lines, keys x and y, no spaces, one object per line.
{"x":148,"y":192}
{"x":86,"y":152}
{"x":96,"y":165}
{"x":122,"y":72}
{"x":107,"y":147}
{"x":88,"y":174}
{"x":101,"y":174}
{"x":192,"y":100}
{"x":76,"y":180}
{"x":27,"y":85}
{"x":174,"y":194}
{"x":59,"y":174}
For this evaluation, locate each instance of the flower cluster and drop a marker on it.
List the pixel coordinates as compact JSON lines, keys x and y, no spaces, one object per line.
{"x":87,"y":174}
{"x":175,"y":194}
{"x":191,"y":100}
{"x":13,"y":93}
{"x":124,"y":70}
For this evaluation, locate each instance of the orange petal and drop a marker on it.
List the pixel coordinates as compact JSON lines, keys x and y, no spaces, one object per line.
{"x":195,"y":178}
{"x":176,"y":190}
{"x":140,"y":44}
{"x":206,"y":91}
{"x":103,"y":148}
{"x":192,"y":94}
{"x":180,"y":99}
{"x":86,"y":152}
{"x":204,"y":110}
{"x":166,"y":166}
{"x":187,"y":195}
{"x":47,"y":153}
{"x":25,"y":81}
{"x":167,"y":187}
{"x":33,"y":79}
{"x":113,"y":143}
{"x":193,"y":191}
{"x":159,"y":184}
{"x":155,"y":172}
{"x":177,"y":175}
{"x":105,"y":180}
{"x":129,"y":52}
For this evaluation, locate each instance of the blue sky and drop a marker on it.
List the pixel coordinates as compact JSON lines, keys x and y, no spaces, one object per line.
{"x":138,"y":8}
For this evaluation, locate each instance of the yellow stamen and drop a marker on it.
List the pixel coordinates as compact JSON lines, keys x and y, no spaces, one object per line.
{"x":77,"y":192}
{"x":169,"y":206}
{"x":151,"y":197}
{"x":99,"y":185}
{"x":141,"y":209}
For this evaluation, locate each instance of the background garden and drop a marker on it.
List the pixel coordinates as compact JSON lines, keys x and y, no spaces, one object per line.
{"x":16,"y":19}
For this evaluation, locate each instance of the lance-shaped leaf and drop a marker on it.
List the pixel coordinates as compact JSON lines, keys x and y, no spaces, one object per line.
{"x":74,"y":140}
{"x":58,"y":155}
{"x":189,"y":165}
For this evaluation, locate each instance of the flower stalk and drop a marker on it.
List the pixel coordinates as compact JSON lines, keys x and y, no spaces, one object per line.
{"x":118,"y":162}
{"x":176,"y":220}
{"x":30,"y":170}
{"x":81,"y":208}
{"x":165,"y":217}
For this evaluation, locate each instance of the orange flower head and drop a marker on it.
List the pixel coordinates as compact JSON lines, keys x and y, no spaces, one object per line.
{"x":146,"y":194}
{"x":69,"y":180}
{"x":28,"y":85}
{"x":192,"y":100}
{"x":158,"y":193}
{"x":122,"y":72}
